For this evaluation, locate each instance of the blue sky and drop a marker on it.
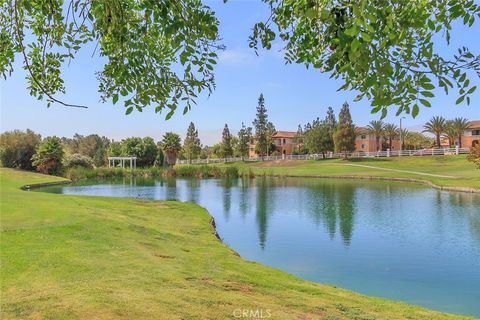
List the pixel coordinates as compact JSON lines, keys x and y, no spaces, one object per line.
{"x":292,"y":93}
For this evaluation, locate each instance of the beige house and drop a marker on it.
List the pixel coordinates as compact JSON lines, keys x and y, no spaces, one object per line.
{"x":284,"y":141}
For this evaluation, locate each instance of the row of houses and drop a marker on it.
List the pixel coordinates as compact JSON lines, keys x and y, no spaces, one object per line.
{"x":286,"y":144}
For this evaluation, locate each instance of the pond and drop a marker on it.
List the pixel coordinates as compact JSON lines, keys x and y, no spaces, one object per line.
{"x":392,"y":240}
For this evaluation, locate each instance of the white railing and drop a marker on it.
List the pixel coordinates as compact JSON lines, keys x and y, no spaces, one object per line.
{"x":331,"y":155}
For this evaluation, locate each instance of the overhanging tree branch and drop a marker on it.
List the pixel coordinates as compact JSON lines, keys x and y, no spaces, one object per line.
{"x":27,"y":64}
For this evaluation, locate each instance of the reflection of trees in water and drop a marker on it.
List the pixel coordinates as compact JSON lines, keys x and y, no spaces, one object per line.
{"x":463,"y":200}
{"x":346,"y":207}
{"x":243,"y":195}
{"x":227,"y":184}
{"x":475,"y":225}
{"x":262,"y":210}
{"x":193,"y":187}
{"x":332,"y":202}
{"x":323,"y":206}
{"x":171,"y":191}
{"x":328,"y":204}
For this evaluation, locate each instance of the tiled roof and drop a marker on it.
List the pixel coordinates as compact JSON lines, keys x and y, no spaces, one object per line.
{"x":362,"y":130}
{"x":475,"y":124}
{"x":285,"y":134}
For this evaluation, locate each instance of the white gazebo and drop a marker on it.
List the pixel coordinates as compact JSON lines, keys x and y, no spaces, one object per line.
{"x":122,"y":160}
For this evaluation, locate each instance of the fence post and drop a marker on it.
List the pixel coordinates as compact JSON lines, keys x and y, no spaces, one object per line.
{"x":388,"y":153}
{"x":456,"y":150}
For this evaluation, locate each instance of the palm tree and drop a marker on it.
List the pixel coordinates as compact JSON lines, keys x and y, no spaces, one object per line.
{"x":171,"y":144}
{"x":435,"y":126}
{"x":403,"y":134}
{"x":450,"y":133}
{"x":459,"y":126}
{"x":391,"y":132}
{"x":376,"y":128}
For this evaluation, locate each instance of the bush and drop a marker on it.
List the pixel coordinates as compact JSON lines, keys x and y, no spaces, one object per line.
{"x":78,"y":160}
{"x":17,"y":148}
{"x":49,"y":155}
{"x":474,"y":155}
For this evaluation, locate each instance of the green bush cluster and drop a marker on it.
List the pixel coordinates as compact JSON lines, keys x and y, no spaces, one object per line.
{"x":193,"y":171}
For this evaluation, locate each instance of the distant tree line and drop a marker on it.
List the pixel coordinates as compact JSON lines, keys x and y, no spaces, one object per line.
{"x":27,"y":150}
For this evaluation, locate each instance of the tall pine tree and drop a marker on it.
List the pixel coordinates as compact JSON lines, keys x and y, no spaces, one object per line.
{"x":261,"y":128}
{"x":244,"y":137}
{"x":227,"y":148}
{"x":345,"y":135}
{"x":191,"y":145}
{"x":271,"y":147}
{"x":331,"y":125}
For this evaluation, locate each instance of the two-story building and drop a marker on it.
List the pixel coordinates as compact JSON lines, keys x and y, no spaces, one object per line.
{"x":285,"y":143}
{"x":367,"y":142}
{"x":471,"y":136}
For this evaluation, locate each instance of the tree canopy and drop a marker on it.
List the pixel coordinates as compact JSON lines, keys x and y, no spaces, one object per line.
{"x":158,"y":53}
{"x":344,"y":136}
{"x":382,"y":49}
{"x":162,"y":53}
{"x":191,"y":144}
{"x":227,"y":148}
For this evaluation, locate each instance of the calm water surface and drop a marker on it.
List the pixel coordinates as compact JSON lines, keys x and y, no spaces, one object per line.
{"x":392,"y":240}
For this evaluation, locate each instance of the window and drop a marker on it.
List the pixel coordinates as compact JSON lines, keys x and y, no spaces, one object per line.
{"x":363,"y":146}
{"x":284,"y":141}
{"x":363,"y":137}
{"x":476,"y":132}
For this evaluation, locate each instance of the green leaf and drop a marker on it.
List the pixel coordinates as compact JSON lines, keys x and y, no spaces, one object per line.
{"x":115,"y":98}
{"x":426,"y":103}
{"x":384,"y":113}
{"x":460,"y":99}
{"x":415,"y":110}
{"x":183,"y":57}
{"x":129,"y":110}
{"x":169,"y":114}
{"x":355,"y":45}
{"x":427,"y":86}
{"x":366,"y":37}
{"x":427,"y":94}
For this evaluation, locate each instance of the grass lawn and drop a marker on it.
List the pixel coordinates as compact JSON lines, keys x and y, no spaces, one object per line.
{"x":445,"y":171}
{"x":68,"y":257}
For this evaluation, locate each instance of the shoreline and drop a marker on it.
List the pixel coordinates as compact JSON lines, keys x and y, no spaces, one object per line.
{"x":251,"y":174}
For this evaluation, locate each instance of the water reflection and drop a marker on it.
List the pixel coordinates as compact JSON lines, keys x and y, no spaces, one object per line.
{"x":263,"y":202}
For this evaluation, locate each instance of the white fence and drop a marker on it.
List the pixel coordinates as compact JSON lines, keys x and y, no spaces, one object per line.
{"x":331,"y":155}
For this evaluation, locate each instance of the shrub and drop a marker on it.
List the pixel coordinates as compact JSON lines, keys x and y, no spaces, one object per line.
{"x":474,"y":155}
{"x":78,"y":160}
{"x":17,"y":148}
{"x":49,"y":155}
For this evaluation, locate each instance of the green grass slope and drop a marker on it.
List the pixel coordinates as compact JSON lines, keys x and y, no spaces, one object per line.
{"x":444,"y":171}
{"x":78,"y":257}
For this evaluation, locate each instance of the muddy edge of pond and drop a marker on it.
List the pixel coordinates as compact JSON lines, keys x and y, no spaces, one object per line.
{"x":43,"y":185}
